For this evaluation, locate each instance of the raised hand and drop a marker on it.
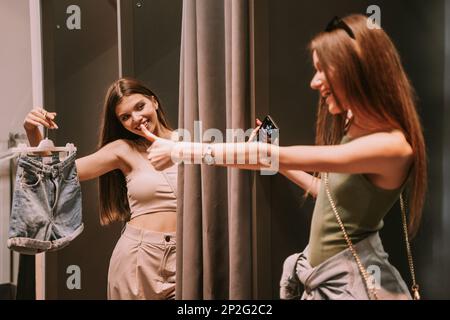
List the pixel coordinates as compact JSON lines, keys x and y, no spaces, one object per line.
{"x":160,"y":152}
{"x":39,"y":117}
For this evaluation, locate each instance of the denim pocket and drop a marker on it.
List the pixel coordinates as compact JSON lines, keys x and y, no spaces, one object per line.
{"x":30,"y":179}
{"x":70,"y":175}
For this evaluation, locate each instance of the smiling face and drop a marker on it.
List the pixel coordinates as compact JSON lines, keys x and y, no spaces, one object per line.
{"x":137,"y":109}
{"x":320,"y":83}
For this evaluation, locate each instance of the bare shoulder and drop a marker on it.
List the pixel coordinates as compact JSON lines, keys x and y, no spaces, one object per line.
{"x":392,"y":144}
{"x":394,"y":158}
{"x":120,"y":147}
{"x":401,"y":144}
{"x":125,"y":152}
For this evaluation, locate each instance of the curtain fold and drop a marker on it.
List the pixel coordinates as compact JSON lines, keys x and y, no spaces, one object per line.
{"x":214,"y":259}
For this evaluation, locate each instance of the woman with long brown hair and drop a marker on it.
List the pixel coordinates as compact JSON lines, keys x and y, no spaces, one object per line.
{"x":143,"y":263}
{"x":370,"y":150}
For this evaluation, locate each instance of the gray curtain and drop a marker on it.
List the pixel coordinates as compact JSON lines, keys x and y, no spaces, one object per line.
{"x":214,"y":258}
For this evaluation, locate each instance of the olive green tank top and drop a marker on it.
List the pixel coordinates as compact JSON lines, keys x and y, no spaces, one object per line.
{"x":361,"y":206}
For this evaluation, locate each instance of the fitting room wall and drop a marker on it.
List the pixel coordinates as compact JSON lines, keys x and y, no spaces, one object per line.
{"x":151,"y":39}
{"x":16,"y":92}
{"x":15,"y":63}
{"x":79,"y":65}
{"x":417,"y":29}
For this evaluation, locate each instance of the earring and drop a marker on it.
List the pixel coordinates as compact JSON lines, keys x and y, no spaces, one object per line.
{"x":349,"y":120}
{"x":349,"y":114}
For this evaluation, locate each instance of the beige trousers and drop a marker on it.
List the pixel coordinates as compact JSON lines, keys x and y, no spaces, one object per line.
{"x":142,"y":266}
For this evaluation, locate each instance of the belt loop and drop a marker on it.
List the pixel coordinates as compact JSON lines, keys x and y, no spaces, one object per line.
{"x":55,"y":172}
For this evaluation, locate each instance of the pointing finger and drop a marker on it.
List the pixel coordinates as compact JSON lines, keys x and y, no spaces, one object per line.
{"x":148,"y":135}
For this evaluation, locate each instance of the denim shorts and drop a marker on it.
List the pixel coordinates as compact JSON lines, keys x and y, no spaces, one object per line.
{"x":46,"y":212}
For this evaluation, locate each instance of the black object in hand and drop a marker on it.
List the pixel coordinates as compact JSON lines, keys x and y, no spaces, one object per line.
{"x":266,"y":131}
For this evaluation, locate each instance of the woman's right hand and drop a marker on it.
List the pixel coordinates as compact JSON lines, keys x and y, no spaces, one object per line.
{"x":39,"y":117}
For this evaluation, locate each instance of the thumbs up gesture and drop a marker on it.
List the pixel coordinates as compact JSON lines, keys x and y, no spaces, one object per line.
{"x":160,"y":152}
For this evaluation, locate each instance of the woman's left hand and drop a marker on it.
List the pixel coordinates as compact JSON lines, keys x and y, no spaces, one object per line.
{"x":160,"y":152}
{"x":253,"y":137}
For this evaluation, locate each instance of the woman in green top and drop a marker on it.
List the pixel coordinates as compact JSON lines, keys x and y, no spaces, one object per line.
{"x":369,"y":138}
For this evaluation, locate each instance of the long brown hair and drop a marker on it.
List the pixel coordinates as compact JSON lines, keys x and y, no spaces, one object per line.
{"x":112,"y":187}
{"x":370,"y":74}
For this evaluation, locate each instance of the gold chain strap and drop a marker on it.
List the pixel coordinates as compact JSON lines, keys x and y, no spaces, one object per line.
{"x":370,"y":289}
{"x":415,"y":286}
{"x":362,"y":270}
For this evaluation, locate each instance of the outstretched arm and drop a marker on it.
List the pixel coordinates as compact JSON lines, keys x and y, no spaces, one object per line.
{"x":108,"y":158}
{"x":379,"y":153}
{"x":386,"y":155}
